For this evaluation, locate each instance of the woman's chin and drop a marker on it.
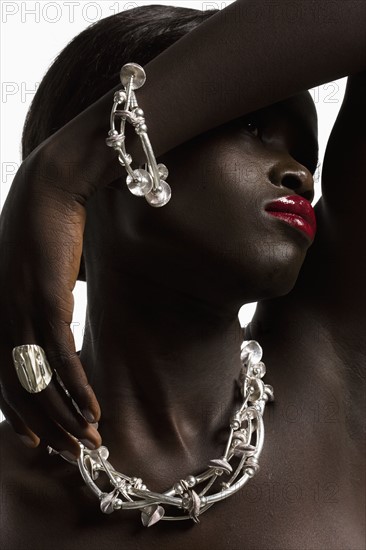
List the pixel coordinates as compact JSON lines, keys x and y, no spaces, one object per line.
{"x":279,"y":279}
{"x":270,"y":275}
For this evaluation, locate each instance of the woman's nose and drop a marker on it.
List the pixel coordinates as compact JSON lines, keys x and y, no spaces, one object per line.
{"x":294,"y":176}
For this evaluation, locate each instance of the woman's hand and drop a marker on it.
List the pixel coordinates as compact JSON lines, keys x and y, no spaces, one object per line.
{"x":41,"y":236}
{"x":41,"y":240}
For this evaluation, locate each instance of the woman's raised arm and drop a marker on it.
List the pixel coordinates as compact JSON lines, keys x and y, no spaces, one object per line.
{"x":252,"y":54}
{"x":334,"y":271}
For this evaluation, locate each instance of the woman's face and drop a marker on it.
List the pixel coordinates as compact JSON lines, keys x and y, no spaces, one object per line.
{"x":217,"y":238}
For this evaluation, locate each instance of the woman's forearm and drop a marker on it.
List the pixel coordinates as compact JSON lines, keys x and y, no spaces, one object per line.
{"x":249,"y":55}
{"x":252,"y":54}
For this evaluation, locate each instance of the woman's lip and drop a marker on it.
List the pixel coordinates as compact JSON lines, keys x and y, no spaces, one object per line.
{"x":296,"y":211}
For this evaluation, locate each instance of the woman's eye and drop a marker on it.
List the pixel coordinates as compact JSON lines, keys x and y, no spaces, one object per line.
{"x":252,"y":127}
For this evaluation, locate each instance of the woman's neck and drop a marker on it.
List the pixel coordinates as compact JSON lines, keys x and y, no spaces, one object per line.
{"x":164,"y":367}
{"x":161,"y":362}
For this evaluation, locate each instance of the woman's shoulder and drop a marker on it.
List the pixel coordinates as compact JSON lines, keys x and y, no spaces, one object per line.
{"x":32,"y":490}
{"x":21,"y":468}
{"x":13,"y":453}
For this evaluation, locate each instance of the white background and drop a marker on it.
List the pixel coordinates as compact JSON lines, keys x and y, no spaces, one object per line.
{"x":33,"y":33}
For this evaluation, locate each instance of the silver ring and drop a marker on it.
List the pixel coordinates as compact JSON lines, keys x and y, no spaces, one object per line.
{"x":32,"y":367}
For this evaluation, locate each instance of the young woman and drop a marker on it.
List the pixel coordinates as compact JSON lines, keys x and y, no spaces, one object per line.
{"x":228,"y":113}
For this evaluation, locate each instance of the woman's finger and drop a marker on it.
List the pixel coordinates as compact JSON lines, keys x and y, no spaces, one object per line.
{"x":53,"y":404}
{"x":57,"y":340}
{"x":62,"y":356}
{"x":59,"y":407}
{"x":36,"y":420}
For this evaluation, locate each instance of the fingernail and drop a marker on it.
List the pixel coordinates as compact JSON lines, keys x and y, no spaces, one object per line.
{"x":95,"y":425}
{"x":88,"y":415}
{"x":28,"y":441}
{"x":68,"y":455}
{"x":88,"y":444}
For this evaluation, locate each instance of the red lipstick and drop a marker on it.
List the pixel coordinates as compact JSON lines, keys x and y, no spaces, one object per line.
{"x":295,"y":211}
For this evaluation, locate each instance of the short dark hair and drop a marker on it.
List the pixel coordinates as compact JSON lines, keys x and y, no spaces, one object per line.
{"x":89,"y":65}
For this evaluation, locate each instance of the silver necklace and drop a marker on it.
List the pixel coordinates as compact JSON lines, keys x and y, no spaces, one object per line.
{"x":235,"y":467}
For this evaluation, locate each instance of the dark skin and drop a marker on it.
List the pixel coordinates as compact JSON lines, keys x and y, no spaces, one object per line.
{"x":181,"y":279}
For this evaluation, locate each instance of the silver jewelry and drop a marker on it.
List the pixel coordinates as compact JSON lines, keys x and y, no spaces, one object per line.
{"x":237,"y":465}
{"x":32,"y":367}
{"x":149,"y":182}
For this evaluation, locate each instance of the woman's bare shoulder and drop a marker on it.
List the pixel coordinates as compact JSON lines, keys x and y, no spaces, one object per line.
{"x":23,"y":470}
{"x":33,"y":488}
{"x":13,"y":453}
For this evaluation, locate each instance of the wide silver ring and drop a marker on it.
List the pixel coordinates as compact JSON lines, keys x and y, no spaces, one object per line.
{"x":32,"y":367}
